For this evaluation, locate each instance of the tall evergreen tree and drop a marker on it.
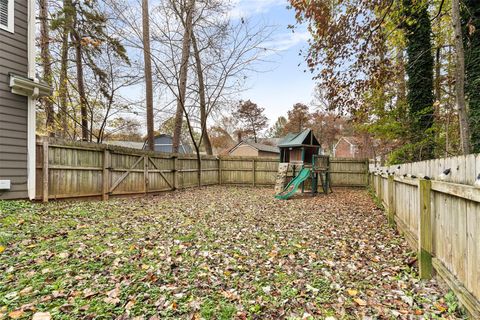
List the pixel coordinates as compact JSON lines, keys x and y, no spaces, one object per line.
{"x":419,"y":69}
{"x":86,"y":25}
{"x":471,"y":39}
{"x":46,"y":60}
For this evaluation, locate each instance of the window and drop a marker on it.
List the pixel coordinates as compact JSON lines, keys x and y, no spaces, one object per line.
{"x":6,"y":15}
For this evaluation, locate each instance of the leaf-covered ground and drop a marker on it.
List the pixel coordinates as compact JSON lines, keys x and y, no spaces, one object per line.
{"x":212,"y":253}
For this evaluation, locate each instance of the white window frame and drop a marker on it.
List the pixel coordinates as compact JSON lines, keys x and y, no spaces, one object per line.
{"x":11,"y":17}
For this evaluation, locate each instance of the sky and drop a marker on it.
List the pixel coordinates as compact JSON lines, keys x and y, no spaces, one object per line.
{"x":283,"y":82}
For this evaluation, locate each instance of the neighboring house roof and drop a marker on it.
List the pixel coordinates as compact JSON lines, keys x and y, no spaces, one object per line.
{"x":269,"y":141}
{"x":126,"y":144}
{"x":299,"y":139}
{"x":258,"y":146}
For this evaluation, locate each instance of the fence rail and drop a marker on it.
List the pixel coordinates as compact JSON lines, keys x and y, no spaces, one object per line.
{"x":74,"y":169}
{"x":440,"y":219}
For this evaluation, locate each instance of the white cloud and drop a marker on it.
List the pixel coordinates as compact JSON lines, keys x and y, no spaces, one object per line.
{"x":287,"y":40}
{"x":246,"y":8}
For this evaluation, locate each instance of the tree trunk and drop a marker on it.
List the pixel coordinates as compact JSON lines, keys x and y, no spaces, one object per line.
{"x":182,"y":85}
{"x":63,"y":83}
{"x":402,"y":86}
{"x":460,"y":79}
{"x":148,"y":74}
{"x":46,"y":64}
{"x":80,"y":82}
{"x":438,"y":75}
{"x":201,"y":92}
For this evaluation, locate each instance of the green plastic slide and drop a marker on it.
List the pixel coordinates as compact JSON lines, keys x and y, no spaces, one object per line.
{"x":293,"y":185}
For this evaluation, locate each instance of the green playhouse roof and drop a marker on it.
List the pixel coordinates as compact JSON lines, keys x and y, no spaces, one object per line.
{"x":304,"y":138}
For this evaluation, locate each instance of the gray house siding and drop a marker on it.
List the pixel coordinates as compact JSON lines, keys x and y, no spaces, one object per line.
{"x":13,"y":108}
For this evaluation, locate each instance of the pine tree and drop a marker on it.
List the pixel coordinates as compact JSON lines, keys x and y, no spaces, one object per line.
{"x":85,"y":25}
{"x":252,"y":117}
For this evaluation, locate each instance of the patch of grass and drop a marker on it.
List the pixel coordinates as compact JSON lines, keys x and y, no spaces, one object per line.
{"x":217,"y":309}
{"x":375,"y":198}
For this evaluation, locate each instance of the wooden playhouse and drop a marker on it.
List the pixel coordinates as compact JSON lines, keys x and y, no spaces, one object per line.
{"x":302,"y":153}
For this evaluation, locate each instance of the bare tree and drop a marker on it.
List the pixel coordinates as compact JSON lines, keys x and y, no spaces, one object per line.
{"x":223,"y":64}
{"x":201,"y":96}
{"x":148,"y":73}
{"x":185,"y":13}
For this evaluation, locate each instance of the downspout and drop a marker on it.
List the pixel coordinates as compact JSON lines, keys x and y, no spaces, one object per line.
{"x":31,"y":100}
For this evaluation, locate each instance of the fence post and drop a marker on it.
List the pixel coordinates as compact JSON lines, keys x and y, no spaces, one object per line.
{"x":219,"y":171}
{"x":367,"y":172}
{"x":175,"y":173}
{"x":253,"y":172}
{"x":106,"y":174}
{"x":425,"y":230}
{"x":45,"y":170}
{"x":380,"y":188}
{"x":145,"y":173}
{"x":391,"y":201}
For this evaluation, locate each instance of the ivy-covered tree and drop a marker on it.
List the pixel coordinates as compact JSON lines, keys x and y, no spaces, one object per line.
{"x":471,"y":39}
{"x":419,"y":69}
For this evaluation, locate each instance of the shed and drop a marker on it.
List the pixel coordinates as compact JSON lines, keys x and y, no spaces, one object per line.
{"x":250,"y":148}
{"x":299,"y":148}
{"x":19,"y":89}
{"x":164,"y":143}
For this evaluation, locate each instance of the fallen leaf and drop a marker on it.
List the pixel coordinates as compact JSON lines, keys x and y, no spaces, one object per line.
{"x":2,"y":248}
{"x":16,"y":314}
{"x":129,"y":305}
{"x":42,"y":316}
{"x":360,"y":302}
{"x":87,"y":293}
{"x":352,"y":292}
{"x":66,"y":308}
{"x":441,"y":307}
{"x":112,"y":295}
{"x":26,"y":291}
{"x":64,"y":255}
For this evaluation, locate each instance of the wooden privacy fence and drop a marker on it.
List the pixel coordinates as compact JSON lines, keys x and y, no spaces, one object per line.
{"x":74,"y":169}
{"x":440,"y":219}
